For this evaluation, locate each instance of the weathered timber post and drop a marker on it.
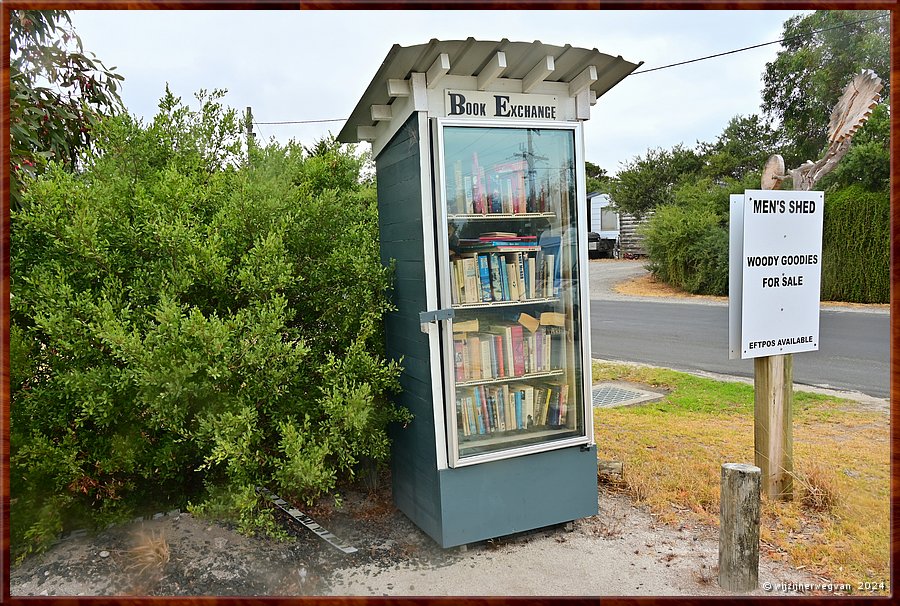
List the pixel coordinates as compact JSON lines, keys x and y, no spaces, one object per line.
{"x":773,"y":401}
{"x":739,"y":527}
{"x":773,"y":436}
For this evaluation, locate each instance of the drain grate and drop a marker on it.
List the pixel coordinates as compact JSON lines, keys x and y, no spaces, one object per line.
{"x":607,"y":395}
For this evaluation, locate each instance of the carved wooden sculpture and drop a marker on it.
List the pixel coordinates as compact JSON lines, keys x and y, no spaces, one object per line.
{"x":850,"y":112}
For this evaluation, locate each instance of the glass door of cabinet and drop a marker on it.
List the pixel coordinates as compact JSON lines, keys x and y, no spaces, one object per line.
{"x":511,"y":275}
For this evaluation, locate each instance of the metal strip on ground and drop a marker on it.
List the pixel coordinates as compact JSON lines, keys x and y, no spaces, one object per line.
{"x":304,"y":519}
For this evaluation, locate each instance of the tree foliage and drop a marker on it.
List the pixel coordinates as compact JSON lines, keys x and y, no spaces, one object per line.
{"x":743,"y":146}
{"x":183,"y":319}
{"x":646,"y":182}
{"x":57,"y":93}
{"x":821,"y":53}
{"x":597,"y":179}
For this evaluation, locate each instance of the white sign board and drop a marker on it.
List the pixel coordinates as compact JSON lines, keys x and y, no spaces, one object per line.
{"x":780,"y":257}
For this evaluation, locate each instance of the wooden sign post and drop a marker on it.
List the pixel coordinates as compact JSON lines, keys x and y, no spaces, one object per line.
{"x":773,"y":438}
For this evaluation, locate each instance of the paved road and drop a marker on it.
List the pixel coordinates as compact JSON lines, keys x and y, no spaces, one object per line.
{"x":853,"y":354}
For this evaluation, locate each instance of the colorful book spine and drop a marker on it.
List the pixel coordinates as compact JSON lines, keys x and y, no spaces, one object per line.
{"x":519,"y":397}
{"x":484,"y":272}
{"x":496,"y":281}
{"x":518,"y":350}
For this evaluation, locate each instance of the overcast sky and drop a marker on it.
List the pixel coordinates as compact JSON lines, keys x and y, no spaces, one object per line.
{"x":315,"y":65}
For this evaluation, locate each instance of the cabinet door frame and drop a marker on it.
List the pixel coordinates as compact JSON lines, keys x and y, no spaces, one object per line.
{"x":443,"y":277}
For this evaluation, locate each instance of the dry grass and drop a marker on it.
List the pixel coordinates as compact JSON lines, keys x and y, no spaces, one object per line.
{"x":818,"y":487}
{"x":838,"y":526}
{"x":150,"y":554}
{"x":706,"y":575}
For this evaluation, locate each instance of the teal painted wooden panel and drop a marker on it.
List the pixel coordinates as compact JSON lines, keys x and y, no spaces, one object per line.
{"x":493,"y":499}
{"x":413,"y":456}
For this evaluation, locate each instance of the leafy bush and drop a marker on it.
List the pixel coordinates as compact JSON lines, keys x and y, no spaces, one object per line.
{"x":687,"y":241}
{"x":856,"y":246}
{"x":187,"y":323}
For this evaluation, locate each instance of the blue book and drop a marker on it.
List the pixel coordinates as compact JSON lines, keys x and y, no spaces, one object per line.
{"x":484,"y":273}
{"x":504,"y":279}
{"x":479,"y":417}
{"x":520,"y":395}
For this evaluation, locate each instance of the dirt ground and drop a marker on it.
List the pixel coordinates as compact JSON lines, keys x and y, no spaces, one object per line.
{"x":620,"y":551}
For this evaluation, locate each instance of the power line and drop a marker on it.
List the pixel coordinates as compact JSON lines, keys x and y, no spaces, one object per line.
{"x":645,"y":71}
{"x":305,"y":121}
{"x":654,"y":69}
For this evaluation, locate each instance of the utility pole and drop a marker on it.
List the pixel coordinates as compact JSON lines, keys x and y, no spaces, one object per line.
{"x":248,"y":130}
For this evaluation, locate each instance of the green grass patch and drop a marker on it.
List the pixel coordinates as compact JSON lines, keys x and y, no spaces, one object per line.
{"x":838,"y":524}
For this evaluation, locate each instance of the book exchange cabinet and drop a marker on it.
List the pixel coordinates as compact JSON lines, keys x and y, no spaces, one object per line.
{"x":482,"y":212}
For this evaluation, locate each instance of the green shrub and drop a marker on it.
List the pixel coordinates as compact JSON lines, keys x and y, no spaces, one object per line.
{"x":187,"y":324}
{"x":856,"y":246}
{"x":688,"y":248}
{"x":687,"y":241}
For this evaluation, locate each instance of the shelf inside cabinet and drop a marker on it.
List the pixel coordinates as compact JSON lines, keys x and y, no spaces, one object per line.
{"x":479,"y":440}
{"x":492,"y":304}
{"x":499,"y":216}
{"x":511,"y":379}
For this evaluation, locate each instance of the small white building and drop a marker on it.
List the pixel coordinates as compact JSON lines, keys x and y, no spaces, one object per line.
{"x":611,"y":233}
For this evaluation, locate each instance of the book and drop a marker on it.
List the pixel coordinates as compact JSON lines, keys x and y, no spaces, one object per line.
{"x":473,"y":345}
{"x":479,"y":413}
{"x":549,"y":273}
{"x":499,"y":351}
{"x":528,"y":321}
{"x":505,"y":284}
{"x":563,"y":403}
{"x":471,"y":282}
{"x":496,"y":284}
{"x":487,"y":366}
{"x":484,"y":274}
{"x":520,"y":395}
{"x":459,"y":359}
{"x":528,"y":406}
{"x":484,"y":410}
{"x":462,"y":420}
{"x":512,"y":275}
{"x":518,"y":350}
{"x":470,"y":414}
{"x":454,"y":285}
{"x":465,"y":325}
{"x":553,"y":318}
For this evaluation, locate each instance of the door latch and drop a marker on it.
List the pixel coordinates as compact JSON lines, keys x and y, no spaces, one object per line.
{"x":436,"y":315}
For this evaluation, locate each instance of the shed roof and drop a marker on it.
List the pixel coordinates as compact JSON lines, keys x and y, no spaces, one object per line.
{"x":470,"y":56}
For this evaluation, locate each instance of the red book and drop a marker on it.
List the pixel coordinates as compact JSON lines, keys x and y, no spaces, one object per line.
{"x":498,"y":348}
{"x":518,"y":347}
{"x":459,"y":359}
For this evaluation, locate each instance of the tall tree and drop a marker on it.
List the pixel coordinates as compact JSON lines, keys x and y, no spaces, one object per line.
{"x":597,"y":179}
{"x":822,"y":51}
{"x":57,"y":93}
{"x":648,"y":181}
{"x":744,"y":145}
